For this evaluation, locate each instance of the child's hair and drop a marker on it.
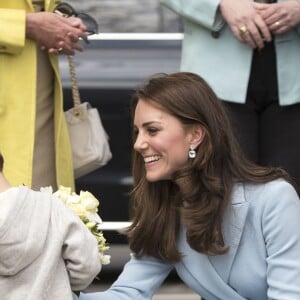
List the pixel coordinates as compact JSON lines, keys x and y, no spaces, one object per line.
{"x":1,"y":162}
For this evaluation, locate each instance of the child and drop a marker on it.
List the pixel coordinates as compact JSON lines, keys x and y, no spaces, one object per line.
{"x":45,"y":249}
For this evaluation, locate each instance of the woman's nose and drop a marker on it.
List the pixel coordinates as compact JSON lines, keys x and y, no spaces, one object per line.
{"x":140,"y":143}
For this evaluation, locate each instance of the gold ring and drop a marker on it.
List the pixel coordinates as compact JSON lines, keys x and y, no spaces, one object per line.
{"x":60,"y":50}
{"x":277,"y":23}
{"x":243,"y":29}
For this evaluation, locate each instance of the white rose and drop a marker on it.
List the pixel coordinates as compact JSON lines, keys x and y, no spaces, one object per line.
{"x":47,"y":189}
{"x":89,"y":201}
{"x":78,"y":209}
{"x":72,"y":199}
{"x":93,"y":217}
{"x":63,"y":193}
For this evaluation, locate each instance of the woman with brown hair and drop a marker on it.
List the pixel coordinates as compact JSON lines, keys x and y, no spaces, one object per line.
{"x":200,"y":206}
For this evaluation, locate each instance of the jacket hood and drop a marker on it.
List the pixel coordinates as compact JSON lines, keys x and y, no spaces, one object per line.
{"x":24,"y":222}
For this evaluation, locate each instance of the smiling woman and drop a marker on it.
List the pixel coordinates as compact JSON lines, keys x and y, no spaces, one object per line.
{"x":200,"y":206}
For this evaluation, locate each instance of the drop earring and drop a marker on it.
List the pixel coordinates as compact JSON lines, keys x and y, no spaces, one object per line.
{"x":192,"y":152}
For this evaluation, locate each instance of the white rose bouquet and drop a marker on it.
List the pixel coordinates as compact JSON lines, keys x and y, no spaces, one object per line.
{"x":85,"y":206}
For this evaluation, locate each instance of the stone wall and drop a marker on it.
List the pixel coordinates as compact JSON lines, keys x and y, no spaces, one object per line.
{"x":130,"y":15}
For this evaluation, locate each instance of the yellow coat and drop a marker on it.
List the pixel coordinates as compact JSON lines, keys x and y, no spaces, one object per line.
{"x":18,"y":73}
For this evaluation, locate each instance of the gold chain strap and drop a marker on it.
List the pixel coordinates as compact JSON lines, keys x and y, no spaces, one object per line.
{"x":75,"y":90}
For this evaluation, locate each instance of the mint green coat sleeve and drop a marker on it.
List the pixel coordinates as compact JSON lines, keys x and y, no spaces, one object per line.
{"x":203,"y":12}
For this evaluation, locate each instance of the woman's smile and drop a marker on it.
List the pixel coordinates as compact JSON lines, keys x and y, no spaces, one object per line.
{"x":151,"y":159}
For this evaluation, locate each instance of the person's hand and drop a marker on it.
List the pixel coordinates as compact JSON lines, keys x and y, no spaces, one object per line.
{"x":280,"y":17}
{"x":54,"y":33}
{"x":245,"y":22}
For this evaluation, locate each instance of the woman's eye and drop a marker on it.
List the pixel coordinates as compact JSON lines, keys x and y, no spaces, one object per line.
{"x":152,"y":130}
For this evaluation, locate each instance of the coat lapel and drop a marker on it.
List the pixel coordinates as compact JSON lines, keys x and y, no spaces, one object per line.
{"x":204,"y":279}
{"x":211,"y":273}
{"x":233,"y":225}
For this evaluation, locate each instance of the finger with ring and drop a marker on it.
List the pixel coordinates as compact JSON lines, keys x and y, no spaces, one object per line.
{"x":243,"y":29}
{"x":277,"y":23}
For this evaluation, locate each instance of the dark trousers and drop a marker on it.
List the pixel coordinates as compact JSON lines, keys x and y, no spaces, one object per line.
{"x":267,"y":132}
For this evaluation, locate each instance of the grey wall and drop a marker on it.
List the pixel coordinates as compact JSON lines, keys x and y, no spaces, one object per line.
{"x":130,"y":15}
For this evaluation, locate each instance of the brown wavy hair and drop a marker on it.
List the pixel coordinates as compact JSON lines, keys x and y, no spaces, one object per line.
{"x":157,"y":207}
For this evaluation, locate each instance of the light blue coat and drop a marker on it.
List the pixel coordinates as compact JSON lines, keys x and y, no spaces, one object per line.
{"x":262,"y":228}
{"x":223,"y":61}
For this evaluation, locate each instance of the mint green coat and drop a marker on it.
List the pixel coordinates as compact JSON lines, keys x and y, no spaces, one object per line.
{"x":223,"y":61}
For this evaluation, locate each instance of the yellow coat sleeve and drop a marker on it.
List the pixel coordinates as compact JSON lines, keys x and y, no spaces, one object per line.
{"x":12,"y":30}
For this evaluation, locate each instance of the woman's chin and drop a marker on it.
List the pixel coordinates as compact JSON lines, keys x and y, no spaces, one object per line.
{"x":153,"y":176}
{"x":156,"y":177}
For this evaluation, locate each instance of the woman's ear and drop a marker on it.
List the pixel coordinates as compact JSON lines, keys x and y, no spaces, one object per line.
{"x":197,"y":135}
